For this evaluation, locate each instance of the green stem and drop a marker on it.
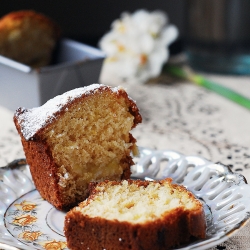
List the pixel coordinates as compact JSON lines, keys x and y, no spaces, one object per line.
{"x":215,"y":87}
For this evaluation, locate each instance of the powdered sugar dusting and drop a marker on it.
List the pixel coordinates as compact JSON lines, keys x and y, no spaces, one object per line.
{"x":31,"y":120}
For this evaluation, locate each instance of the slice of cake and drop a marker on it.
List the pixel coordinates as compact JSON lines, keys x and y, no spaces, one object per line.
{"x":135,"y":215}
{"x":77,"y":138}
{"x":28,"y":37}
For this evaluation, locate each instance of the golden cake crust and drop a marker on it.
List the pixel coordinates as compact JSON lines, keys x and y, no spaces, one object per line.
{"x":174,"y":227}
{"x":49,"y":176}
{"x":28,"y":37}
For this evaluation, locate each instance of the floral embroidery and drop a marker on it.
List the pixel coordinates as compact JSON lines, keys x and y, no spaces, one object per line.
{"x":29,"y":236}
{"x":53,"y":245}
{"x":24,"y":220}
{"x":25,"y":206}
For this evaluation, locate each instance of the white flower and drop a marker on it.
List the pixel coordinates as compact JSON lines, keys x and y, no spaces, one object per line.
{"x":137,"y":45}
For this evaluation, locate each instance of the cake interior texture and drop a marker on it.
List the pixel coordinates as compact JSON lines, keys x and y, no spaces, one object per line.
{"x":90,"y":142}
{"x":135,"y":215}
{"x":137,"y":204}
{"x":78,"y":137}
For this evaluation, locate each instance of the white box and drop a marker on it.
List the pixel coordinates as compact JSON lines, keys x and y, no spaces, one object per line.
{"x":76,"y":65}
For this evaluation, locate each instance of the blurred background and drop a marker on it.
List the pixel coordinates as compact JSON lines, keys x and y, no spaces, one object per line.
{"x":215,"y":34}
{"x":88,"y":21}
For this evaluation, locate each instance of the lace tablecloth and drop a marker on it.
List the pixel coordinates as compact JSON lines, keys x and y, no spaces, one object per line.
{"x":181,"y":117}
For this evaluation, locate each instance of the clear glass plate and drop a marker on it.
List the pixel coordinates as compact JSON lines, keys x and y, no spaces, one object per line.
{"x":29,"y":222}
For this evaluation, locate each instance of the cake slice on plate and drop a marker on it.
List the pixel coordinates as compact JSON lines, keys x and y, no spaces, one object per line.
{"x":77,"y":138}
{"x":135,"y":215}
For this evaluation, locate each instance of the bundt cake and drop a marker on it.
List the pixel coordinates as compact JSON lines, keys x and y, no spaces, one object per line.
{"x":135,"y":214}
{"x":28,"y":37}
{"x":76,"y":138}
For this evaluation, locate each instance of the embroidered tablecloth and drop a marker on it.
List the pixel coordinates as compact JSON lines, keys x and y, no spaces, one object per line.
{"x":178,"y":116}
